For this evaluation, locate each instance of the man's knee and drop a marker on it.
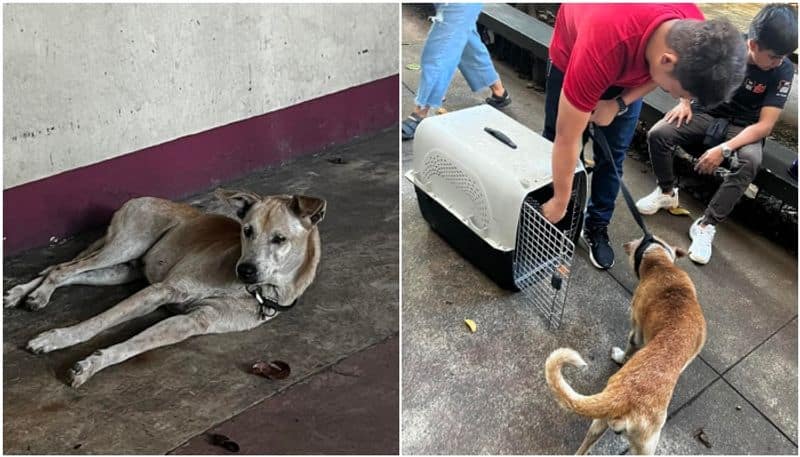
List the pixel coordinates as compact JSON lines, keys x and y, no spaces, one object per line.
{"x":750,"y":160}
{"x":661,"y":133}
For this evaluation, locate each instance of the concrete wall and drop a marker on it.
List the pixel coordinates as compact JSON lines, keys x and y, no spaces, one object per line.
{"x":85,"y":83}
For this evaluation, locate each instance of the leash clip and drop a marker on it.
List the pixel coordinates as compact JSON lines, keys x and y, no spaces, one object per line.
{"x":267,"y":307}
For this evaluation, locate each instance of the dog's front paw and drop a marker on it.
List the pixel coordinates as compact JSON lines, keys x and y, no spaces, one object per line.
{"x":618,"y":355}
{"x":51,"y":340}
{"x":14,"y":296}
{"x":83,"y":370}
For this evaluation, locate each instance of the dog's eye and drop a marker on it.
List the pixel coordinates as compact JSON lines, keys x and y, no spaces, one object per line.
{"x":247,"y":231}
{"x":278,"y":239}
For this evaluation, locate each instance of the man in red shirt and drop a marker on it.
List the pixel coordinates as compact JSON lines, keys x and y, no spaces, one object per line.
{"x":604,"y":59}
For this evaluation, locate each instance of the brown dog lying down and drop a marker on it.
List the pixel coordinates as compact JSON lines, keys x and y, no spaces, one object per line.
{"x":220,"y":275}
{"x":667,"y":332}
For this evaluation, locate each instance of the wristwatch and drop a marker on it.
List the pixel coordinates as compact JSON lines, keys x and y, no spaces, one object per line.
{"x":726,"y":151}
{"x":623,"y":108}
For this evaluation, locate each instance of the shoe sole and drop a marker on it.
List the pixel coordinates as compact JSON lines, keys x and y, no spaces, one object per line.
{"x":691,"y":254}
{"x":499,"y":105}
{"x":591,"y":256}
{"x":699,"y":261}
{"x":650,"y":213}
{"x":647,"y":213}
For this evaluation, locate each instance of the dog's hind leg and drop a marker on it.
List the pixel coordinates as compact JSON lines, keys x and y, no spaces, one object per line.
{"x":169,"y":331}
{"x":650,"y":445}
{"x":139,"y":304}
{"x":15,"y":295}
{"x":645,"y":444}
{"x":133,"y":230}
{"x":596,"y":430}
{"x":111,"y":276}
{"x":645,"y":440}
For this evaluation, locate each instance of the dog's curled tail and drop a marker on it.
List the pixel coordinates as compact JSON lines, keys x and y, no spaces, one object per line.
{"x":594,"y":406}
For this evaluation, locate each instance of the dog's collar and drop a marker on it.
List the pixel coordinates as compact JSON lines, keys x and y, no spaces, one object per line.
{"x":639,"y":254}
{"x":267,"y":307}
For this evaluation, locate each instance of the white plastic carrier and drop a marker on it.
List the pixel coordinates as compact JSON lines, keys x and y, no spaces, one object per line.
{"x":480,"y":177}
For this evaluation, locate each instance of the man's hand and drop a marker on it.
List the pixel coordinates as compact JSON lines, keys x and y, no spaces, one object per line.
{"x":682,"y":113}
{"x":555,"y":210}
{"x":605,"y":112}
{"x":709,"y":161}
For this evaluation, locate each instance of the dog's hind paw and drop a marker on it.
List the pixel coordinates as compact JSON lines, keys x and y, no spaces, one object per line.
{"x":37,"y":300}
{"x":14,"y":296}
{"x":618,"y":355}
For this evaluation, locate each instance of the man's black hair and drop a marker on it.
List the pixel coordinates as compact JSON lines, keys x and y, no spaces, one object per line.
{"x":712,"y":58}
{"x":775,"y":28}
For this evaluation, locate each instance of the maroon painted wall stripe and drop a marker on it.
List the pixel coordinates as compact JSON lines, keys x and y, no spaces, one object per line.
{"x":82,"y":198}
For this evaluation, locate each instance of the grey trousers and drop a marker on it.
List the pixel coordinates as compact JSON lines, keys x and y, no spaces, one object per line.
{"x":664,"y":138}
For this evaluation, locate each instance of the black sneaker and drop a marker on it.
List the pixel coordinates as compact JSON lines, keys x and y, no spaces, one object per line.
{"x":499,"y":102}
{"x":600,"y":252}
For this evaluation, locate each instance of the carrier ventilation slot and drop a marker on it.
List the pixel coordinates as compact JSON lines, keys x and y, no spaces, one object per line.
{"x":437,"y":165}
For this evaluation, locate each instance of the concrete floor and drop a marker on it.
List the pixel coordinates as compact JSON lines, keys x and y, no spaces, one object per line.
{"x":340,"y":341}
{"x":332,"y":412}
{"x":485,"y":392}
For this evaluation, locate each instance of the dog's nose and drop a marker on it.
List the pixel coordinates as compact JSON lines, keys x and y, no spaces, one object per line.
{"x":247,"y":272}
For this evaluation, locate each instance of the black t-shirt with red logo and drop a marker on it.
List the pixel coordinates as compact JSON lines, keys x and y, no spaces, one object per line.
{"x":759,"y":89}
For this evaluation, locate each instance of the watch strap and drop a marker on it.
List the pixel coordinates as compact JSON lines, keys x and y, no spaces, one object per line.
{"x":621,"y":104}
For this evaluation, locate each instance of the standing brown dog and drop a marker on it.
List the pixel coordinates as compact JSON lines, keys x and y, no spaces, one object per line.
{"x":667,"y":332}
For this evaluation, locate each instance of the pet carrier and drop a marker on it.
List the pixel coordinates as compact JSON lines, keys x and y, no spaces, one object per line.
{"x":480,"y":177}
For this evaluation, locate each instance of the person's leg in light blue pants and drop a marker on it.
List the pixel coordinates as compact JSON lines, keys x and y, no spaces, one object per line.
{"x":453,"y":42}
{"x":476,"y":63}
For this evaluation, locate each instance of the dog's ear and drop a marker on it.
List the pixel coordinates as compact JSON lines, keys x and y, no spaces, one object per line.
{"x":239,"y":199}
{"x":680,"y":252}
{"x":308,"y":209}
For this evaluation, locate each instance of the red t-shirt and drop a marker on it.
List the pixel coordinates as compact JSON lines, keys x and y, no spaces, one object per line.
{"x":597,"y":46}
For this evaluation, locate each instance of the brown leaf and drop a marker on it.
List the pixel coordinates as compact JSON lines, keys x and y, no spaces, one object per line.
{"x":272,"y":370}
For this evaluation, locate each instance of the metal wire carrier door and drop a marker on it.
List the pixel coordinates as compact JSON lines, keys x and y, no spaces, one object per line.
{"x":543,"y":260}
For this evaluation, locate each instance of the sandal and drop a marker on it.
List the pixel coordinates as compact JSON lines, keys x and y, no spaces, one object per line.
{"x":499,"y":102}
{"x":410,"y":126}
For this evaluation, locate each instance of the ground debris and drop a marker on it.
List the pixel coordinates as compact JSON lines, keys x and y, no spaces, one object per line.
{"x":700,"y":435}
{"x":679,"y":211}
{"x":223,"y":441}
{"x":473,"y":327}
{"x":272,"y":370}
{"x":337,"y":161}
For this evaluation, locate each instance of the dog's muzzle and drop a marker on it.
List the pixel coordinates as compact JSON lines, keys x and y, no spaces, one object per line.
{"x":267,"y":307}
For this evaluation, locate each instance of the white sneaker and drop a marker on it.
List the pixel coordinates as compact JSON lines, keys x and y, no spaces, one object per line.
{"x":657,"y":200}
{"x":702,"y":237}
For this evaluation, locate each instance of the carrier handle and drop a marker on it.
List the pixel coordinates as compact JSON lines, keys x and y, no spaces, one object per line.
{"x":500,"y":136}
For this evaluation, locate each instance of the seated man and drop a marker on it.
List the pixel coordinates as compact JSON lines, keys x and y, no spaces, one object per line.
{"x":751,"y":113}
